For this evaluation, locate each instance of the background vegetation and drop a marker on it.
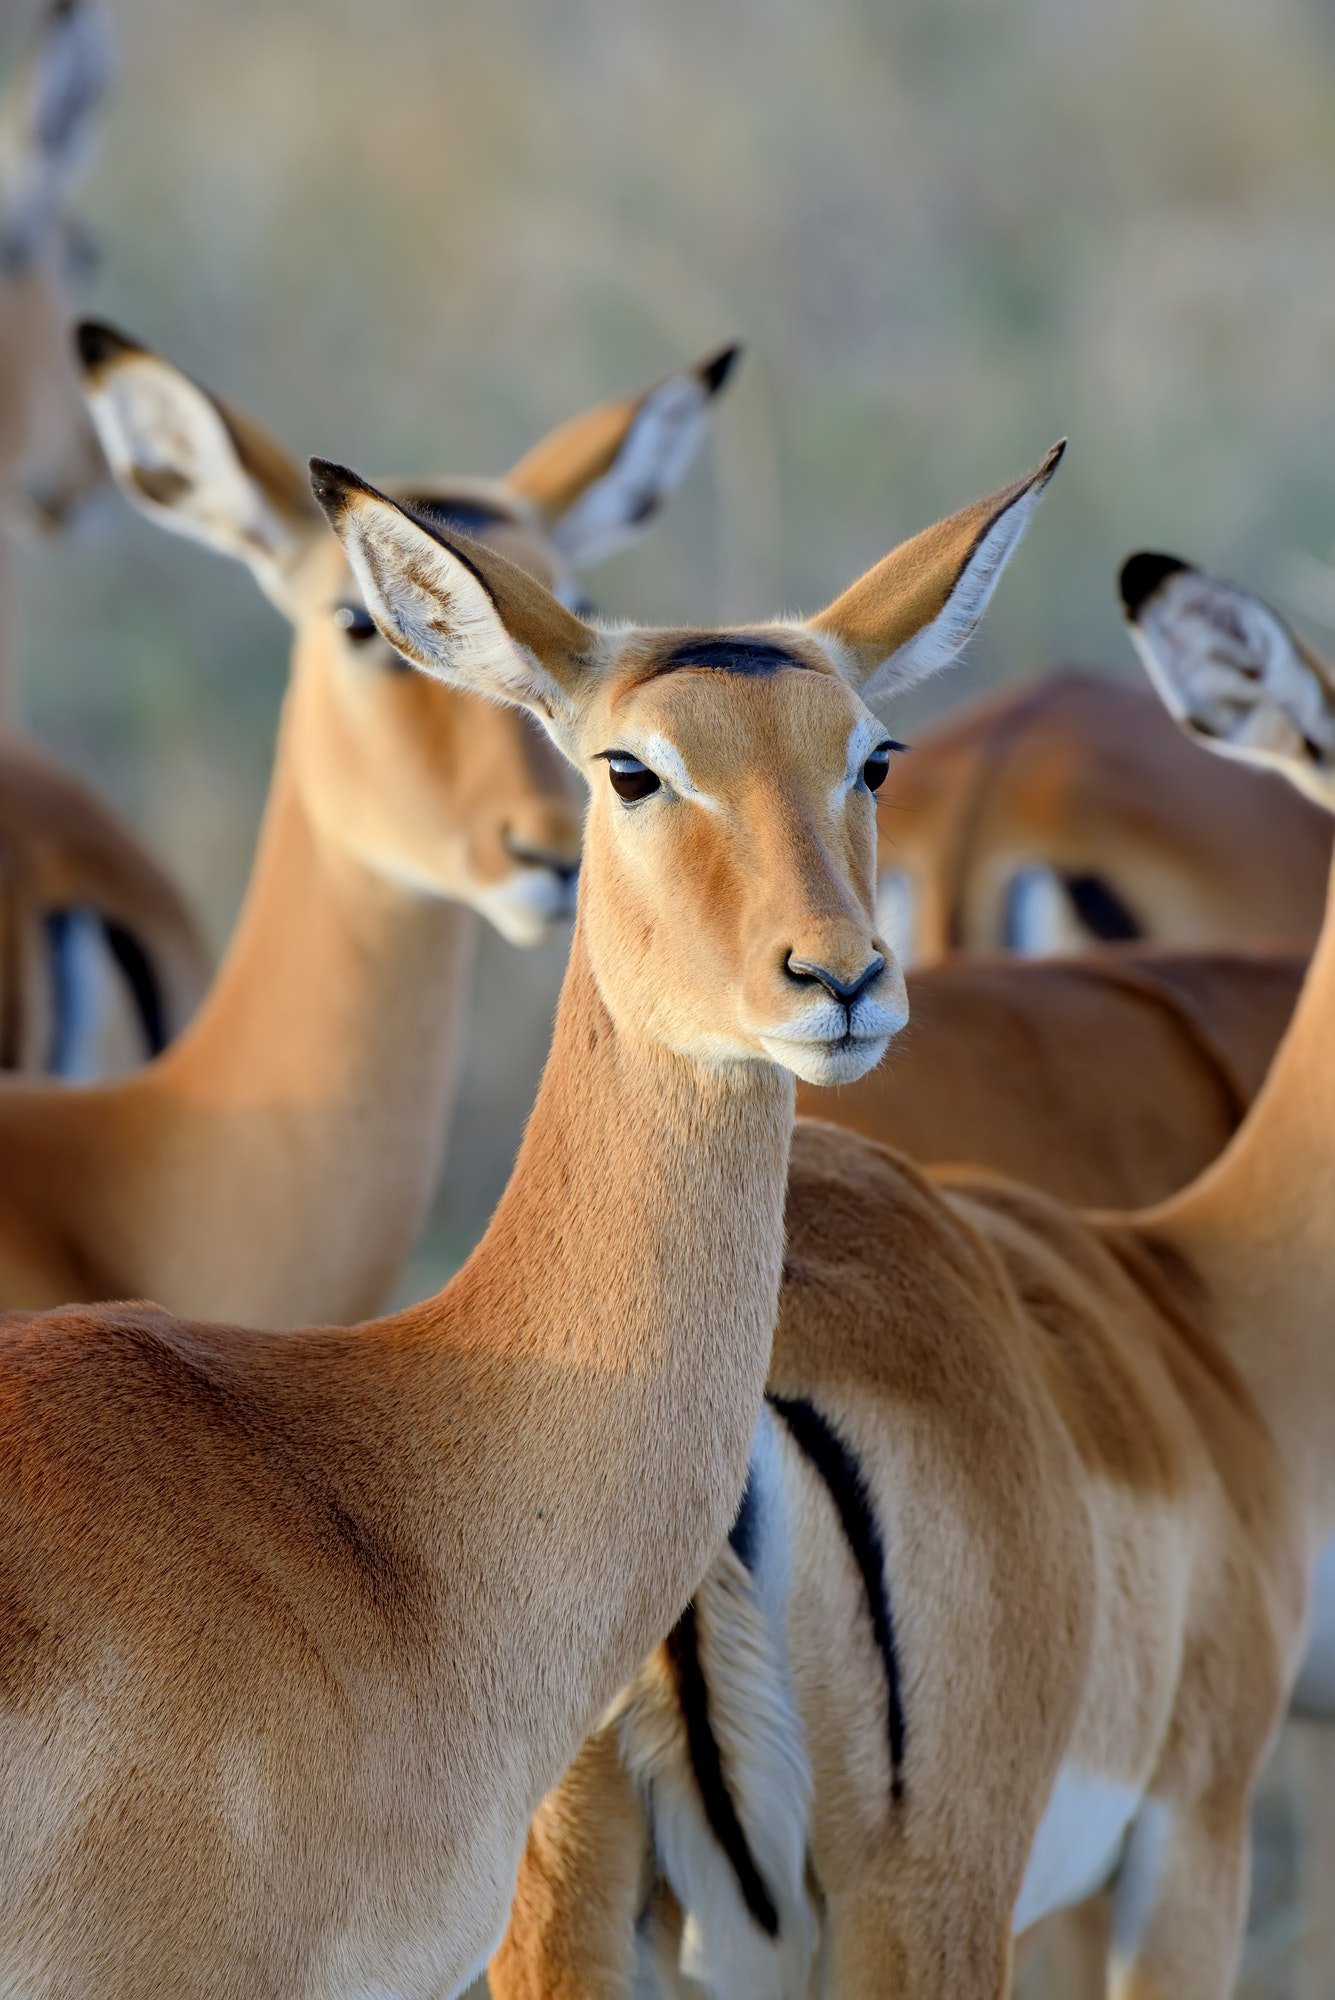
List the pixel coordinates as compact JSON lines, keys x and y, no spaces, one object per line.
{"x":415,"y":235}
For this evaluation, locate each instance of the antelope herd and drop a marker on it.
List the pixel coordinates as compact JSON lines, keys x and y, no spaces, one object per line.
{"x":871,"y":1489}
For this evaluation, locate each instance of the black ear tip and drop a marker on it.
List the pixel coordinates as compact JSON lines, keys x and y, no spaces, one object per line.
{"x":715,"y":372}
{"x":99,"y":344}
{"x":334,"y":485}
{"x":1141,"y":576}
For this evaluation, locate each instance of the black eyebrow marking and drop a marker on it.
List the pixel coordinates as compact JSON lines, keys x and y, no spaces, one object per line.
{"x":730,"y":655}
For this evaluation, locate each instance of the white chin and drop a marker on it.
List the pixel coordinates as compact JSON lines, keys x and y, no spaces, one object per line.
{"x":828,"y":1062}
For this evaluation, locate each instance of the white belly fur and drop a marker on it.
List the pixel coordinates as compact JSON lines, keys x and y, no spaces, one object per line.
{"x":1314,"y":1692}
{"x":1077,"y":1844}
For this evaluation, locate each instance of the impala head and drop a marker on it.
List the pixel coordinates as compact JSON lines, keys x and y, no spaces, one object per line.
{"x":49,"y":456}
{"x":428,"y":785}
{"x":730,"y":840}
{"x":1232,"y":672}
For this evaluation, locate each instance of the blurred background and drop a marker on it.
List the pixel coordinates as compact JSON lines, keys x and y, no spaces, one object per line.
{"x":416,"y":236}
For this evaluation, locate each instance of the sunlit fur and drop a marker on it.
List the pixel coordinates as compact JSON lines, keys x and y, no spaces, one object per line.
{"x":342,"y":1605}
{"x":61,"y":847}
{"x":1100,"y":1451}
{"x":277,"y":1164}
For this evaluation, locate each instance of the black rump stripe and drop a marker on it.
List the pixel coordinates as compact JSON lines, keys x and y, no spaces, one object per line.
{"x":683,"y":1651}
{"x":828,"y":1455}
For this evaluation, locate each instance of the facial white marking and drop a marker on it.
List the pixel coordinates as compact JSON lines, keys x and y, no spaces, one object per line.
{"x":1077,"y":1844}
{"x":1314,"y":1690}
{"x":866,"y":733}
{"x":1138,"y":1879}
{"x":664,"y":758}
{"x":663,"y":438}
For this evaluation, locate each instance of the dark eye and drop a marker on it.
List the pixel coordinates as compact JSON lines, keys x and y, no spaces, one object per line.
{"x":356,"y":623}
{"x":877,"y":767}
{"x":631,"y":780}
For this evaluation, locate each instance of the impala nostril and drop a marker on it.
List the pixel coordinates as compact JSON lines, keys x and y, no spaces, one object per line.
{"x":845,"y":991}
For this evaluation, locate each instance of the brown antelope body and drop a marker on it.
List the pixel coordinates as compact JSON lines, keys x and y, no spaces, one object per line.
{"x":277,"y":1161}
{"x":301,"y":1627}
{"x":1110,"y":1078}
{"x":1020,"y":1587}
{"x":79,"y":895}
{"x":1071,"y":812}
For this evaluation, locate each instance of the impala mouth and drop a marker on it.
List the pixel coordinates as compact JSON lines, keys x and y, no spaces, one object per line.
{"x":829,"y":1044}
{"x":531,"y":903}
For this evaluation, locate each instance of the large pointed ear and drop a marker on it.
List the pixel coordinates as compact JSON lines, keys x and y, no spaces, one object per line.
{"x":49,"y":120}
{"x":911,"y":614}
{"x":457,"y":609}
{"x":192,"y":465}
{"x":1230,"y":670}
{"x":599,"y":480}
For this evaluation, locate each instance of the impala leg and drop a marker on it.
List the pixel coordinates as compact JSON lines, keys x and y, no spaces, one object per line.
{"x":903,"y":1932}
{"x":1066,"y":1956}
{"x":1178,"y":1916}
{"x":571,"y":1934}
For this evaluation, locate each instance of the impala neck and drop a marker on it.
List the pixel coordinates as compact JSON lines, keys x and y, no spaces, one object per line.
{"x":1258,"y":1225}
{"x":314,"y":1086}
{"x":614,"y":1328}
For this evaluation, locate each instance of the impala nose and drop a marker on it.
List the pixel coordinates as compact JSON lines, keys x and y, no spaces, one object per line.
{"x":845,"y":991}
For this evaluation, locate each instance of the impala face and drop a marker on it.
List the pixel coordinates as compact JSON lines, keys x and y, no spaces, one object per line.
{"x":425,"y":784}
{"x":733,"y":824}
{"x":728,"y":907}
{"x":436,"y":791}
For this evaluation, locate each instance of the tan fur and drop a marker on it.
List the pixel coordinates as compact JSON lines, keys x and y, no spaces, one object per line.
{"x":1087,"y":776}
{"x":1109,"y":1079}
{"x":300,"y":1628}
{"x":1099,"y":1452}
{"x":277,"y":1162}
{"x":61,"y":846}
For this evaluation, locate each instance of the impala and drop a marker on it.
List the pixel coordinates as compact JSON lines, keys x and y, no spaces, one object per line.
{"x":1071,"y":812}
{"x":302,"y":1626}
{"x":277,"y":1161}
{"x":75,"y":884}
{"x":1019,"y":1587}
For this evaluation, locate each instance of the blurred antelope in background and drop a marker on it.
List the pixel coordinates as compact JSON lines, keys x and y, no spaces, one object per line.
{"x":79,"y":895}
{"x":1019,"y":1588}
{"x":317,"y":1587}
{"x":277,"y":1162}
{"x":1070,"y":812}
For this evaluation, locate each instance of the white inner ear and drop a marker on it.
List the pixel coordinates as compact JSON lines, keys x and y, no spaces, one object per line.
{"x":434,"y":611}
{"x":937,"y":643}
{"x":1226,"y":666}
{"x":663,"y":438}
{"x":172,"y":454}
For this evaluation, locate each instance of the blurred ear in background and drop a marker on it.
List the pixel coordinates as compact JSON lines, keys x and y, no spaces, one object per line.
{"x":599,"y":480}
{"x":49,"y":122}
